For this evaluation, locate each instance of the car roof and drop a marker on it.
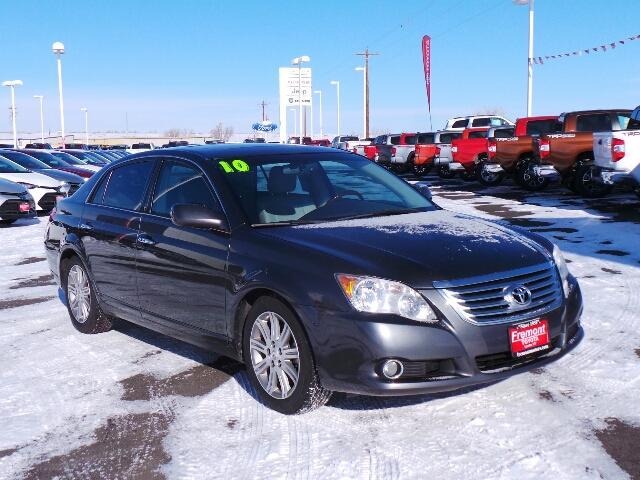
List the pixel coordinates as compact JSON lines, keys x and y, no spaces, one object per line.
{"x":236,"y":149}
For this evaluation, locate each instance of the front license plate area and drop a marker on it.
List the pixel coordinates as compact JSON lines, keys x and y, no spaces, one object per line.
{"x":530,"y":337}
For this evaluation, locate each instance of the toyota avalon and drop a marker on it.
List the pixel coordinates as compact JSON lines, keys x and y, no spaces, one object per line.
{"x":316,"y":268}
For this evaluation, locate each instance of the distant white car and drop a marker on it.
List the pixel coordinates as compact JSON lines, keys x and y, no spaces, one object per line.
{"x":140,"y":147}
{"x":471,"y":121}
{"x":45,"y":190}
{"x":15,"y":202}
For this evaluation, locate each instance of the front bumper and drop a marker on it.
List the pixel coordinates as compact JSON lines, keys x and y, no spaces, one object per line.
{"x":349,"y":349}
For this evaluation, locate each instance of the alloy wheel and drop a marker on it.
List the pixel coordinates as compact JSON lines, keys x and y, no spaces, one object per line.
{"x":274,"y":355}
{"x":79,"y":293}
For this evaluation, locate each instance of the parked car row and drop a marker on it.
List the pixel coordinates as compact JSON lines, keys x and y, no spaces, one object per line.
{"x":588,"y":151}
{"x":34,"y":179}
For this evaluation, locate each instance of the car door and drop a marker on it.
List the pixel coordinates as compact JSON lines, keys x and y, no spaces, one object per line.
{"x":181,"y":270}
{"x":109,"y":230}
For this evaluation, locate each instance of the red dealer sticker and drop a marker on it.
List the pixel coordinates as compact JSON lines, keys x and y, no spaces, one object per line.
{"x":529,"y":337}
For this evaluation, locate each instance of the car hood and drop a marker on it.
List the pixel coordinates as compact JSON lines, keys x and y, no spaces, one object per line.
{"x":61,"y":175}
{"x":417,"y":248}
{"x":33,"y":178}
{"x":7,"y":186}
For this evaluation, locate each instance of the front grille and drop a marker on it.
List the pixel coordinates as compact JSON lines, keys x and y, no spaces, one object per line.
{"x":482,"y":301}
{"x":502,"y":360}
{"x":48,"y":200}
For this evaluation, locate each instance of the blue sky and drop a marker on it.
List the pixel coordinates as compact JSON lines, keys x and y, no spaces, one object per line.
{"x":191,"y":64}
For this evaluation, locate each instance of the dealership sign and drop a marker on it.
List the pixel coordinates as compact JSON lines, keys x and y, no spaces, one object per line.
{"x":295,"y":88}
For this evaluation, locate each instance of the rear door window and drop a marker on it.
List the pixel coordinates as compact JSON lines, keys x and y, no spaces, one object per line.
{"x":127,"y":185}
{"x":448,"y":137}
{"x":596,"y":122}
{"x":460,"y":123}
{"x":395,"y":140}
{"x":543,"y":127}
{"x":478,"y":134}
{"x":503,"y":133}
{"x":410,"y":140}
{"x":425,"y":138}
{"x":482,"y":122}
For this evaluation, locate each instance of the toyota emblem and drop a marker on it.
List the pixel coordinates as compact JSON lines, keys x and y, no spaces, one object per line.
{"x":518,"y":296}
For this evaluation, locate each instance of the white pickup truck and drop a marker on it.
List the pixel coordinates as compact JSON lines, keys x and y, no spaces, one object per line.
{"x":472,"y":121}
{"x":617,"y":154}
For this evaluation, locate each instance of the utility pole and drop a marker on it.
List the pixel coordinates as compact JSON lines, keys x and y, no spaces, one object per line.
{"x":366,"y":54}
{"x":263,"y":105}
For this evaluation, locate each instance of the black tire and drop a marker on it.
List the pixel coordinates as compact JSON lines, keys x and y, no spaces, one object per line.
{"x":95,"y":321}
{"x":569,"y":181}
{"x":307,"y":394}
{"x":7,"y":221}
{"x":528,"y":180}
{"x":586,"y":186}
{"x":488,"y":179}
{"x":421,"y":170}
{"x":444,"y":172}
{"x":468,"y":177}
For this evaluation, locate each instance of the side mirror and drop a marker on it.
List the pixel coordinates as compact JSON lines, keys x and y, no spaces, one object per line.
{"x":197,"y":216}
{"x":635,"y":115}
{"x":423,"y":188}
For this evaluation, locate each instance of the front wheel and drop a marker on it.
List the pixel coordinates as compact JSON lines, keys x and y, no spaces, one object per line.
{"x":487,"y":178}
{"x":279,"y":360}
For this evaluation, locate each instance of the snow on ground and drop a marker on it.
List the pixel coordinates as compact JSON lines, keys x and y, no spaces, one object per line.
{"x":134,"y":404}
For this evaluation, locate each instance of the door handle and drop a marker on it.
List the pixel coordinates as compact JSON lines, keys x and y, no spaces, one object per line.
{"x":145,"y":239}
{"x":85,"y":226}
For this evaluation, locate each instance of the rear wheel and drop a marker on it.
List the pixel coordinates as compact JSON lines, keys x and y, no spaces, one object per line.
{"x":444,"y":172}
{"x":82,"y":305}
{"x":279,"y":360}
{"x":527,"y":178}
{"x":585,"y":184}
{"x":487,"y":178}
{"x":421,"y":170}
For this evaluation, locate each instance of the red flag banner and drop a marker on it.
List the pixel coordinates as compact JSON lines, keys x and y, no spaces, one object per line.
{"x":601,"y":48}
{"x":426,"y":60}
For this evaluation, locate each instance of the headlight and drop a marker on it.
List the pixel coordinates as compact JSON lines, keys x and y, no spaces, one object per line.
{"x":64,"y":188}
{"x":28,"y":185}
{"x":562,"y":269}
{"x":375,"y":295}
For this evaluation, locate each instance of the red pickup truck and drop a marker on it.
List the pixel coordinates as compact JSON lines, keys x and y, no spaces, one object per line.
{"x":467,"y":151}
{"x":509,"y":152}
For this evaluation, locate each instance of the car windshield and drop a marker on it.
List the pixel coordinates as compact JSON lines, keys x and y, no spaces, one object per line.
{"x":7,"y":166}
{"x":64,"y":160}
{"x":310,"y":188}
{"x":87,"y":158}
{"x":23,"y":160}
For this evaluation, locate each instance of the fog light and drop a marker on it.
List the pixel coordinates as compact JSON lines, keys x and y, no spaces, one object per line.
{"x":392,"y":369}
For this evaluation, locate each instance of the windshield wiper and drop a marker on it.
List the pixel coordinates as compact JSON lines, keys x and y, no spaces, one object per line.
{"x":287,"y":223}
{"x":382,"y":213}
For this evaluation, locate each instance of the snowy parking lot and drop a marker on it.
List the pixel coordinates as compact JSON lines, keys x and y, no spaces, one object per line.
{"x":134,"y":404}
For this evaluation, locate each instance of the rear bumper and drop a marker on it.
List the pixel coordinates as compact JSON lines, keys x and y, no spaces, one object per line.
{"x":493,"y":168}
{"x":456,"y":167}
{"x":349,"y":349}
{"x":439,"y":161}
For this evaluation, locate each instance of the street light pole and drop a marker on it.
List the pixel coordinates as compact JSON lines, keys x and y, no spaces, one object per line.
{"x":40,"y":97}
{"x":58,"y":50}
{"x":365,"y":128}
{"x":337,"y":84}
{"x":319,"y":92}
{"x":366,"y":54}
{"x":295,"y":125}
{"x":86,"y":125}
{"x":12,"y":84}
{"x":530,"y":58}
{"x":530,"y":69}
